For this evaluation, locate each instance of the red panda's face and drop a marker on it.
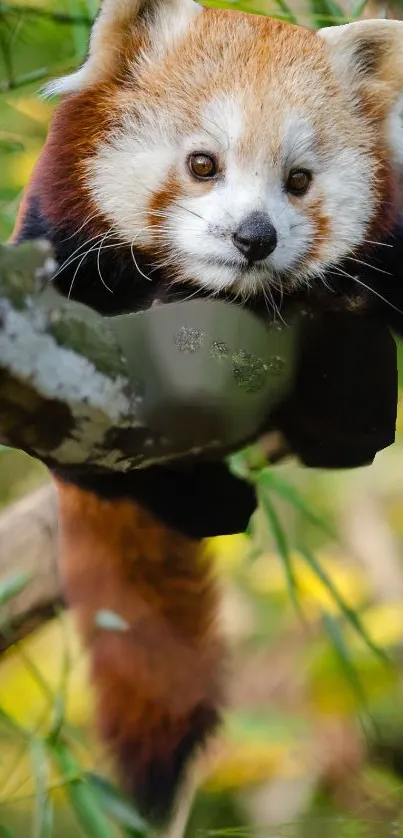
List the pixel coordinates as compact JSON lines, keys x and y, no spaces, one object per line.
{"x":237,"y":155}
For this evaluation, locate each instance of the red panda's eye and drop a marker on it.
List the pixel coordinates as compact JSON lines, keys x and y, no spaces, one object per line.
{"x":202,"y":166}
{"x":298,"y":181}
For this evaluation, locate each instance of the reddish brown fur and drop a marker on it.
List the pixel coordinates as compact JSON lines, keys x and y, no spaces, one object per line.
{"x":162,"y":199}
{"x":59,"y":178}
{"x":22,"y":210}
{"x":322,"y":228}
{"x":259,"y":60}
{"x":158,"y":683}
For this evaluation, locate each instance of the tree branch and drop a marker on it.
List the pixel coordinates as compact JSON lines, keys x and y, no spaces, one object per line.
{"x":28,"y":545}
{"x":65,"y":390}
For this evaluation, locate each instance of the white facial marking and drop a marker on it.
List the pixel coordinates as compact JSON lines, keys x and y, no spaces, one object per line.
{"x":128,"y":170}
{"x":299,"y":148}
{"x":196,"y":230}
{"x":224,"y":119}
{"x":348,"y":201}
{"x":201,"y":228}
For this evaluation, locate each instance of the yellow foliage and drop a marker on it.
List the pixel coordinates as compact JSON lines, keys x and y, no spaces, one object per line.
{"x":330,"y":689}
{"x":384,"y":624}
{"x":228,"y":551}
{"x":36,"y":109}
{"x":332,"y":694}
{"x":399,"y":418}
{"x":245,"y":764}
{"x":243,"y":760}
{"x":21,"y":694}
{"x":20,"y":167}
{"x":394,"y":515}
{"x":267,"y":576}
{"x":42,"y":657}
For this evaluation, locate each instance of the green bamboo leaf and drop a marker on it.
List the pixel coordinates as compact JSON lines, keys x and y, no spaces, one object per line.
{"x":349,"y":613}
{"x":342,"y":651}
{"x":33,"y":78}
{"x":59,"y":708}
{"x":12,"y":585}
{"x":77,"y":8}
{"x":294,"y":497}
{"x":43,"y":815}
{"x":238,"y":465}
{"x":6,"y":833}
{"x":83,"y":798}
{"x":327,"y":12}
{"x":358,"y":8}
{"x":7,"y":217}
{"x":9,"y":145}
{"x":286,"y":11}
{"x":116,"y":806}
{"x":7,"y":194}
{"x":282,"y":545}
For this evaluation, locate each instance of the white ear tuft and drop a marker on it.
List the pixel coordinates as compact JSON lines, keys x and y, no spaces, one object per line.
{"x":65,"y":84}
{"x":367,"y":59}
{"x":367,"y":51}
{"x":112,"y":31}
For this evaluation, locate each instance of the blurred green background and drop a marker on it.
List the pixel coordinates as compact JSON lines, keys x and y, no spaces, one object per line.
{"x":312,"y":743}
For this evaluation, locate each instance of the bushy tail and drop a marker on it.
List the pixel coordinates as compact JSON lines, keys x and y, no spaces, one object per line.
{"x":157,"y":676}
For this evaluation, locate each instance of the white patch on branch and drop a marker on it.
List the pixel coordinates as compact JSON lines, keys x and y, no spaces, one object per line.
{"x":55,"y":371}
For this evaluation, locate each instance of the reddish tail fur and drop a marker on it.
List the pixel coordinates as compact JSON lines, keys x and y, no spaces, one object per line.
{"x":157,"y":683}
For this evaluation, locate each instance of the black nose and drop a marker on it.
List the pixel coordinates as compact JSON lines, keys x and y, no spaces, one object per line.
{"x":256,"y":237}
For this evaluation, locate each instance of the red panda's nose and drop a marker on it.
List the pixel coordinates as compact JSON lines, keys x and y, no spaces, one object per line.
{"x":256,"y":237}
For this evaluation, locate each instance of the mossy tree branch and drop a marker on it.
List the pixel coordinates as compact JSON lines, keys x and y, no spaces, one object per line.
{"x":65,"y":393}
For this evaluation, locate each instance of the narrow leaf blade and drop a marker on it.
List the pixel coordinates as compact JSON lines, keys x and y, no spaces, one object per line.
{"x":295,"y":498}
{"x":12,"y":585}
{"x":349,"y":613}
{"x":43,"y":815}
{"x":117,"y":806}
{"x":82,"y":797}
{"x":282,"y":545}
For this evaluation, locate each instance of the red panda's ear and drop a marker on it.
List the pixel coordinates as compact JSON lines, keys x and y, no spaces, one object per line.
{"x":367,"y":59}
{"x":114,"y":32}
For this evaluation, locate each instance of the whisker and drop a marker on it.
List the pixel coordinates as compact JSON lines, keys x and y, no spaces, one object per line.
{"x":148,"y":278}
{"x":378,"y":244}
{"x":75,"y":274}
{"x":83,"y":257}
{"x":371,"y":267}
{"x":84,"y":224}
{"x":190,"y":296}
{"x":186,"y":209}
{"x":75,"y":255}
{"x":371,"y":290}
{"x":325,"y":283}
{"x":99,"y":267}
{"x":267,"y":292}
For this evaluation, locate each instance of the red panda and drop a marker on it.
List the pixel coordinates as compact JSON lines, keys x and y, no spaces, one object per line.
{"x":218,"y":152}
